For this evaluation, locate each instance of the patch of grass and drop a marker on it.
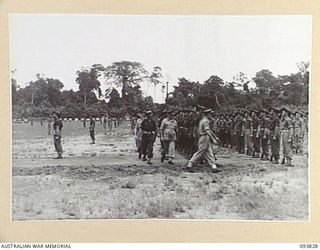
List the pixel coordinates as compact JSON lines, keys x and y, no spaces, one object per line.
{"x":130,"y":185}
{"x":162,"y":207}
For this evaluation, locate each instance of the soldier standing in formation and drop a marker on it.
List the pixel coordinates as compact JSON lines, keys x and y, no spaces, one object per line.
{"x":298,"y":133}
{"x":275,"y":136}
{"x":138,"y":134}
{"x":256,"y":126}
{"x":265,"y":135}
{"x":104,"y":123}
{"x":92,"y":126}
{"x":287,"y":135}
{"x":248,"y":134}
{"x":164,"y":115}
{"x":57,"y":134}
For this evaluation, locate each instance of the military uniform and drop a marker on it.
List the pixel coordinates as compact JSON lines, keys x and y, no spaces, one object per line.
{"x":91,"y":130}
{"x":287,"y":135}
{"x":168,"y":130}
{"x":298,"y":134}
{"x":256,"y":124}
{"x":204,"y":145}
{"x":265,"y":137}
{"x":138,"y":136}
{"x":149,"y":128}
{"x":248,"y":135}
{"x":275,"y":138}
{"x":57,"y":135}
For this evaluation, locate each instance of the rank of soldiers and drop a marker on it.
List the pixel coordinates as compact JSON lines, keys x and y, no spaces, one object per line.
{"x":258,"y":134}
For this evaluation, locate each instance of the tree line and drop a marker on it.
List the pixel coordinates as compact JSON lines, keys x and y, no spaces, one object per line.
{"x":268,"y":91}
{"x":123,"y":93}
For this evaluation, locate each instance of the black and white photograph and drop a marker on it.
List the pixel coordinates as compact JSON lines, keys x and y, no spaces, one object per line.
{"x":171,"y":117}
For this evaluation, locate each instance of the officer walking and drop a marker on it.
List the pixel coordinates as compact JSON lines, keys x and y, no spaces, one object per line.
{"x":206,"y":139}
{"x":149,"y":129}
{"x":168,"y":135}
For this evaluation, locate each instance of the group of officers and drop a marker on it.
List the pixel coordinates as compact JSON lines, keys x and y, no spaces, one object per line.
{"x":200,"y":132}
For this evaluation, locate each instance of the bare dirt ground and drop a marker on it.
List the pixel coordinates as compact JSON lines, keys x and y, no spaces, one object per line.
{"x":107,"y":181}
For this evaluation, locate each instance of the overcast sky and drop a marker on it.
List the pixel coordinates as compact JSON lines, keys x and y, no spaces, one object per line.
{"x":194,"y":47}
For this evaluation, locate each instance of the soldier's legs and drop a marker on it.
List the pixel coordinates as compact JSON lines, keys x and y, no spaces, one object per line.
{"x":171,"y":149}
{"x":256,"y":144}
{"x":164,"y":149}
{"x":202,"y":148}
{"x":105,"y":129}
{"x":92,"y":135}
{"x":150,"y":148}
{"x":58,"y":146}
{"x":208,"y":155}
{"x":264,"y":146}
{"x":287,"y":146}
{"x":144,"y":144}
{"x":241,"y":144}
{"x":248,"y":141}
{"x":275,"y":147}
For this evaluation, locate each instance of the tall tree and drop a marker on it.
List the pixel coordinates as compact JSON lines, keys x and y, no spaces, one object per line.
{"x":115,"y":100}
{"x":266,"y":82}
{"x":155,"y":77}
{"x":241,"y":80}
{"x":125,"y":74}
{"x":88,"y":81}
{"x":14,"y":87}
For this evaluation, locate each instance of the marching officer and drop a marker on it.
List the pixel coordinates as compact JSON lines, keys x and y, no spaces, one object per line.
{"x":149,"y":129}
{"x":206,"y":139}
{"x":168,"y":135}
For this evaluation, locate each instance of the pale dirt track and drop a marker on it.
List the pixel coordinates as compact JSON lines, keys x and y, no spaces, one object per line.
{"x":107,"y":180}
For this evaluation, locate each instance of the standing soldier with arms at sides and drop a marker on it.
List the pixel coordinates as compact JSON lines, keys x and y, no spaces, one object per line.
{"x":149,"y":129}
{"x":256,"y":127}
{"x":105,"y":122}
{"x":92,"y":125}
{"x":287,"y":135}
{"x":206,"y":139}
{"x":228,"y":130}
{"x":110,"y":123}
{"x":168,"y":133}
{"x":188,"y":136}
{"x":222,"y":130}
{"x":237,"y":132}
{"x":242,"y":126}
{"x":265,"y":135}
{"x":298,"y":133}
{"x":164,"y":115}
{"x":132,"y":124}
{"x":275,"y":136}
{"x":57,"y":128}
{"x":138,"y":134}
{"x":49,"y":124}
{"x":248,"y":133}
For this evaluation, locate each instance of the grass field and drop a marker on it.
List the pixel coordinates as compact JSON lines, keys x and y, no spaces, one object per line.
{"x":107,"y":181}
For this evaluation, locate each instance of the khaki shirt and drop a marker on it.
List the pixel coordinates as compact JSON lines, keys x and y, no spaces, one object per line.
{"x":204,"y":125}
{"x":169,"y":128}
